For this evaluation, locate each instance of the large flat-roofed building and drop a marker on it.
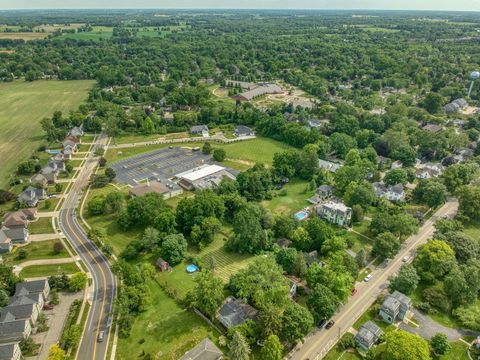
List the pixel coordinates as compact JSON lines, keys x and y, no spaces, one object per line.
{"x":204,"y":177}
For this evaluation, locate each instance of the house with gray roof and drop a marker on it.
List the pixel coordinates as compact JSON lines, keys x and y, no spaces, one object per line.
{"x":205,"y":350}
{"x":368,"y":335}
{"x":235,"y":312}
{"x":335,"y":212}
{"x":395,"y":307}
{"x":13,"y":331}
{"x":456,"y":106}
{"x":76,"y":131}
{"x":243,"y":131}
{"x":33,"y":287}
{"x":16,"y":235}
{"x":17,"y":300}
{"x":10,"y":351}
{"x":392,"y":193}
{"x":324,"y":191}
{"x":329,"y":165}
{"x":39,"y":180}
{"x":31,"y":196}
{"x":28,"y":312}
{"x":199,"y":130}
{"x":433,"y":128}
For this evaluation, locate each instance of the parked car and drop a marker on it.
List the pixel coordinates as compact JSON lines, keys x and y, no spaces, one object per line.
{"x":329,"y":324}
{"x":368,"y":278}
{"x":321,"y":323}
{"x":47,"y":307}
{"x":52,"y":196}
{"x":406,"y":258}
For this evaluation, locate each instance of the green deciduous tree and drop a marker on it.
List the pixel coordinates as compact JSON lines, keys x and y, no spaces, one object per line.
{"x":440,"y":344}
{"x":404,"y":346}
{"x":208,"y":293}
{"x":296,"y":322}
{"x":239,"y":349}
{"x":174,"y":248}
{"x":406,"y":281}
{"x":272,"y":349}
{"x":322,"y":302}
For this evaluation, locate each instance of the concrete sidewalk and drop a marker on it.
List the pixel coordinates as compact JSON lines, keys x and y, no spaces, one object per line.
{"x":43,"y":237}
{"x":18,"y":268}
{"x":48,"y":214}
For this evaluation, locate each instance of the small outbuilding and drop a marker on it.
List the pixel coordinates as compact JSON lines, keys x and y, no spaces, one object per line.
{"x":162,"y":265}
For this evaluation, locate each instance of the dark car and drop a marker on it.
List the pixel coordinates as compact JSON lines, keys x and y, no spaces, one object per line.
{"x":329,"y":324}
{"x":321,"y":323}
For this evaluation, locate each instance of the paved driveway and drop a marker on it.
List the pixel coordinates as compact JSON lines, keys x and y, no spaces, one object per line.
{"x":429,"y":327}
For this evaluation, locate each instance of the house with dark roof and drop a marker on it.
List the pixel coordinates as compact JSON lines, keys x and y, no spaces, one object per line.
{"x":368,"y":335}
{"x":27,"y":299}
{"x":20,"y":218}
{"x":162,"y":265}
{"x":456,"y":106}
{"x":33,"y":287}
{"x":199,"y":130}
{"x":31,"y":196}
{"x":13,"y":331}
{"x":16,"y":235}
{"x":243,"y":131}
{"x":395,"y":307}
{"x":324,"y":191}
{"x":235,"y":312}
{"x":28,"y":312}
{"x":205,"y":350}
{"x":10,"y":351}
{"x":72,"y":141}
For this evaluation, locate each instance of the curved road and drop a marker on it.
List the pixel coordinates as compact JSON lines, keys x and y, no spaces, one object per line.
{"x":317,"y":345}
{"x":97,"y":264}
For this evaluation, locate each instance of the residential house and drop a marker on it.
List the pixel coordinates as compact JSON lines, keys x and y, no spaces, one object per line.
{"x":199,"y":130}
{"x":20,"y":218}
{"x":392,"y":193}
{"x":205,"y":350}
{"x":317,"y":124}
{"x":329,"y":165}
{"x":433,"y":128}
{"x":368,"y":335}
{"x":39,"y":180}
{"x":261,"y":89}
{"x":243,"y":131}
{"x":456,"y":106}
{"x":335,"y":213}
{"x":10,"y":351}
{"x":28,"y":312}
{"x":31,"y":196}
{"x":67,"y":152}
{"x":16,"y":235}
{"x":162,"y":265}
{"x":429,"y":170}
{"x":27,"y":299}
{"x":5,"y":243}
{"x":72,"y":141}
{"x":235,"y":312}
{"x":168,"y":190}
{"x":397,"y":164}
{"x":33,"y":287}
{"x":77,"y":131}
{"x":324,"y":191}
{"x":284,"y":242}
{"x":395,"y":307}
{"x":13,"y":331}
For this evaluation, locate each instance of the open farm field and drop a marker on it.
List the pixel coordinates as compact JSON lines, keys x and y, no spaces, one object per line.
{"x":22,"y":106}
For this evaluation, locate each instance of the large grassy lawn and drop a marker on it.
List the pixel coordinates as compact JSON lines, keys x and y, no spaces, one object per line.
{"x":244,"y":153}
{"x":225,"y":263}
{"x":35,"y":251}
{"x":41,"y":226}
{"x":22,"y":106}
{"x":49,"y":270}
{"x":164,"y":331}
{"x":294,"y":198}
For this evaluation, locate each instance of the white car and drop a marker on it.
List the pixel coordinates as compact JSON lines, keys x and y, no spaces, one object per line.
{"x":368,"y":277}
{"x":406,"y":258}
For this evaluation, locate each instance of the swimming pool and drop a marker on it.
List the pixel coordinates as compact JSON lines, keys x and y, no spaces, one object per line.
{"x":191,"y":268}
{"x":301,"y":215}
{"x":53,"y":152}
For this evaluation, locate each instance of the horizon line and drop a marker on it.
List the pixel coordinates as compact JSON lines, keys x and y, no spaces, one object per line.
{"x":243,"y":9}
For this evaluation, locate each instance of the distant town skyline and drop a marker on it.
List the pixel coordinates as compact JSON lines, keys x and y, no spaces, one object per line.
{"x":459,"y":5}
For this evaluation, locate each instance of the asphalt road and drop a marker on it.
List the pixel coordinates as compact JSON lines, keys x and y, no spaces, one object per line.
{"x":317,"y":345}
{"x":103,"y":278}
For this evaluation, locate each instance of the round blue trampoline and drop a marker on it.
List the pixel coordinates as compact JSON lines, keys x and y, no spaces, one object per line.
{"x":191,"y":268}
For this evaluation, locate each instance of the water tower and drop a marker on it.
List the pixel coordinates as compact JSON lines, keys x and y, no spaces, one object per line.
{"x":474,"y":76}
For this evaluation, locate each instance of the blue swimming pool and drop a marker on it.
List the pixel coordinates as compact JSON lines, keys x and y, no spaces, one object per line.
{"x":53,"y":152}
{"x":191,"y":268}
{"x":301,"y":215}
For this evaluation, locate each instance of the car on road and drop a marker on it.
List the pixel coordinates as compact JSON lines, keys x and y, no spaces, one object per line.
{"x":321,"y":323}
{"x":368,"y":278}
{"x":406,"y":258}
{"x":353,"y":291}
{"x":101,"y":336}
{"x":329,"y":324}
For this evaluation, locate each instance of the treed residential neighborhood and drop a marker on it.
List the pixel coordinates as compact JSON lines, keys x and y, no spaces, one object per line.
{"x":239,"y":184}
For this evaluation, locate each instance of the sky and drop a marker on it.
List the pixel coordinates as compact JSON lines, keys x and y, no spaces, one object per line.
{"x":460,"y":5}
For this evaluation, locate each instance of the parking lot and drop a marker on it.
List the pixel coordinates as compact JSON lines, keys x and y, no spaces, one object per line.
{"x":159,"y":164}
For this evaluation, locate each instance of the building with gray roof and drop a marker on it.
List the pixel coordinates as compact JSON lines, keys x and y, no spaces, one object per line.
{"x":20,"y":312}
{"x":205,"y":350}
{"x":10,"y":351}
{"x":395,"y":307}
{"x":13,"y":331}
{"x":31,"y":196}
{"x":368,"y":335}
{"x":234,"y":312}
{"x":33,"y":287}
